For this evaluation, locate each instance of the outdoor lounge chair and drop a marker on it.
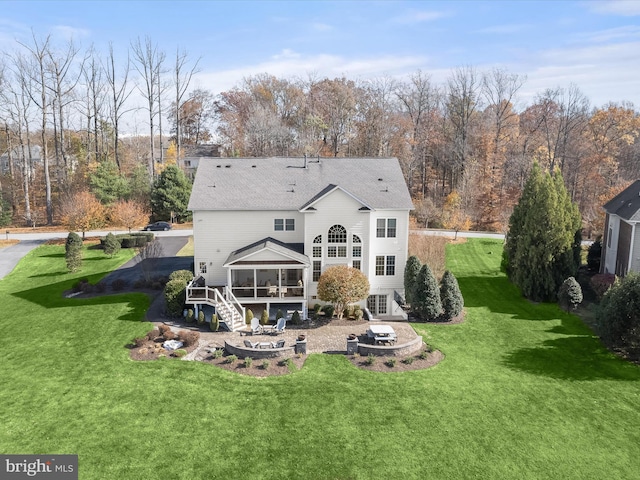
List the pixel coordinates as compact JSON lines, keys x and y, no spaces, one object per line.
{"x":255,"y":325}
{"x":280,"y":326}
{"x":249,"y":344}
{"x":278,"y":344}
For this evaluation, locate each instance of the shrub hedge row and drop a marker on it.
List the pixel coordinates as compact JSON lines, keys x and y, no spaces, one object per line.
{"x":132,"y":240}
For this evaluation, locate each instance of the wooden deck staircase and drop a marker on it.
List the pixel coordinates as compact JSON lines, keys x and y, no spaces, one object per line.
{"x":229,"y":309}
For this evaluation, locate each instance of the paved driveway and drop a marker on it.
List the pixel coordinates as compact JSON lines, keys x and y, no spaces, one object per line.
{"x":130,"y":271}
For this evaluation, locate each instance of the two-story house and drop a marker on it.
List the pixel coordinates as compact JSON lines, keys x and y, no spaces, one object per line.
{"x":266,"y":228}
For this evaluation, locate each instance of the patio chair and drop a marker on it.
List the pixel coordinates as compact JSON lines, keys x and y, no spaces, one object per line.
{"x":278,"y":344}
{"x":255,"y":326}
{"x":280,"y":326}
{"x":249,"y":344}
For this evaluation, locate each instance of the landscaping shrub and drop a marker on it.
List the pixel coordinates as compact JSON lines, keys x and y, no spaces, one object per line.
{"x":295,"y":318}
{"x":248,"y":316}
{"x":231,"y":359}
{"x":247,"y":362}
{"x":73,"y":252}
{"x":359,"y":314}
{"x":153,"y":334}
{"x":618,"y":318}
{"x":101,"y":287}
{"x":163,"y":329}
{"x":424,"y":354}
{"x":118,"y":284}
{"x":427,"y":302}
{"x":602,"y":282}
{"x":185,"y":275}
{"x":189,"y":338}
{"x":341,"y":285}
{"x":128,"y":242}
{"x":179,"y":353}
{"x":265,"y":364}
{"x":86,"y":287}
{"x":411,"y":271}
{"x":594,"y":254}
{"x":408,"y":360}
{"x":139,"y":341}
{"x":264,"y":318}
{"x":371,"y":359}
{"x":450,"y":296}
{"x":201,"y":318}
{"x":570,"y":294}
{"x":111,"y":245}
{"x":316,"y":308}
{"x":279,"y":315}
{"x":190,"y":316}
{"x":215,"y":323}
{"x":328,"y":310}
{"x":169,"y":335}
{"x":175,"y":296}
{"x":218,"y":352}
{"x":390,"y":362}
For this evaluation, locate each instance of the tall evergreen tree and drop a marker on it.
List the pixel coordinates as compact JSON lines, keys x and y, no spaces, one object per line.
{"x":427,"y":295}
{"x":543,"y":232}
{"x":73,"y":251}
{"x":451,"y":296}
{"x":170,"y":195}
{"x":411,"y":271}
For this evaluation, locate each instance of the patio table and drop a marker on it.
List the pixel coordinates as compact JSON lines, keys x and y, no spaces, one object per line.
{"x":382,"y":333}
{"x":264,"y":345}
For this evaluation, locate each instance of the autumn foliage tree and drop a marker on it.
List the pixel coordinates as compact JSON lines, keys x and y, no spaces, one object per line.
{"x":129,"y":214}
{"x":82,"y":212}
{"x":342,"y":285}
{"x":453,"y":215}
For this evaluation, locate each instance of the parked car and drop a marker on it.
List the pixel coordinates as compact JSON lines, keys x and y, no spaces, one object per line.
{"x":158,"y":226}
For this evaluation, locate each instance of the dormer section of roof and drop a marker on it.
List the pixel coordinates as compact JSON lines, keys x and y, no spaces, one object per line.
{"x":326,"y":192}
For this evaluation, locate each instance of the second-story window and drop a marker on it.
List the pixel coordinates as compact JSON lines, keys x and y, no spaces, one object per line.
{"x":280,"y":224}
{"x":386,"y":227}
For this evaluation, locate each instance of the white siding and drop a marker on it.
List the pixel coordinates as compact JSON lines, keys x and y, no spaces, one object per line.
{"x":612,"y":244}
{"x":218,"y":233}
{"x":635,"y":249}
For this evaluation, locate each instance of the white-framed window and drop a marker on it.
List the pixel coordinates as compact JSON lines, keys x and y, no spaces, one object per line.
{"x":281,"y":224}
{"x":202,"y":267}
{"x":357,"y":264}
{"x":385,"y":265}
{"x":386,"y":227}
{"x":357,"y":251}
{"x":317,"y":252}
{"x":332,"y":251}
{"x":337,"y":234}
{"x":342,"y":251}
{"x":318,"y":239}
{"x":317,"y":270}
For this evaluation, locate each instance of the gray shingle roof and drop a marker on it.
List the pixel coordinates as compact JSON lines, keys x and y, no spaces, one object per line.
{"x":283,"y":183}
{"x":288,"y":250}
{"x":627,"y":203}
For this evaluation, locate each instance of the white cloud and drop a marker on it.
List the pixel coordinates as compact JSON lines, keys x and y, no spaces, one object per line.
{"x":624,"y":32}
{"x":419,"y":16}
{"x":504,"y":29}
{"x":321,"y":27}
{"x":70,"y":33}
{"x":626,"y":8}
{"x":289,"y":64}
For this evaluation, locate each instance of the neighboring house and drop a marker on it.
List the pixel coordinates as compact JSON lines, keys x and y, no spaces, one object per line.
{"x":17,"y":156}
{"x":194,"y":154}
{"x":266,"y":228}
{"x":621,"y":242}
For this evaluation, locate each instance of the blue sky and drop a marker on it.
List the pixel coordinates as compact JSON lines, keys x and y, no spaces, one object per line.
{"x":594,"y":44}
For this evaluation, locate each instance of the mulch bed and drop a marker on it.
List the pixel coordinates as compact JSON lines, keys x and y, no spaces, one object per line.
{"x":153,"y":350}
{"x":398,"y":364}
{"x":258,"y":368}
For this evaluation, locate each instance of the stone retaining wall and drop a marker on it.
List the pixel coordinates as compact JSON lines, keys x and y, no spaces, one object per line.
{"x":403,"y":350}
{"x":258,"y":353}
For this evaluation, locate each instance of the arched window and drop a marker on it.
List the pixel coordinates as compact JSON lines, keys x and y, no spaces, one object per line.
{"x":337,"y":234}
{"x":318,"y":239}
{"x":356,"y":239}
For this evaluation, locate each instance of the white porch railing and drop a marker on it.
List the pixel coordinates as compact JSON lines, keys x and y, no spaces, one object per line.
{"x":233,"y":314}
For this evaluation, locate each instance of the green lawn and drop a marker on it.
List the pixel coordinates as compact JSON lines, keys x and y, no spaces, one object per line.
{"x":525,"y":391}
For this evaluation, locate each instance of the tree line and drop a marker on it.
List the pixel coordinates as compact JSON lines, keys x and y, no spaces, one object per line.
{"x":466,"y":145}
